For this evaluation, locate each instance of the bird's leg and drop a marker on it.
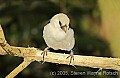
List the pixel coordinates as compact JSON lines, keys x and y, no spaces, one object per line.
{"x":45,"y":52}
{"x":71,"y":56}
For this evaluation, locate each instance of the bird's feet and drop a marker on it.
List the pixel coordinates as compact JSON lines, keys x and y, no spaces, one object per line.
{"x":71,"y":56}
{"x":44,"y":53}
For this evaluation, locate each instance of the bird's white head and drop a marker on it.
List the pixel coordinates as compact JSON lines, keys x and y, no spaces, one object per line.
{"x":61,"y":21}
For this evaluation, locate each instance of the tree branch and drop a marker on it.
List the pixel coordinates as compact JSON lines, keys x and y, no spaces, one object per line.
{"x":31,"y":54}
{"x":18,"y":69}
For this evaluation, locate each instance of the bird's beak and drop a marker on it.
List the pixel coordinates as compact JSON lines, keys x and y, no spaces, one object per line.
{"x":64,"y":28}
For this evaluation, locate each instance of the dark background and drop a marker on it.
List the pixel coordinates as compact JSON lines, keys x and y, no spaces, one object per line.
{"x":23,"y":22}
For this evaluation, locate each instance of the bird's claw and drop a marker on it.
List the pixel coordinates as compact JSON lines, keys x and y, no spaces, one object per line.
{"x":71,"y":58}
{"x":44,"y":53}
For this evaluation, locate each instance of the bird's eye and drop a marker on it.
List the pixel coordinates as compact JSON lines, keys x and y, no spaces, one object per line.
{"x":60,"y":23}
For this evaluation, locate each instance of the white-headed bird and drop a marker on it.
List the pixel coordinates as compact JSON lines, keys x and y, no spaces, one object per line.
{"x":58,"y":35}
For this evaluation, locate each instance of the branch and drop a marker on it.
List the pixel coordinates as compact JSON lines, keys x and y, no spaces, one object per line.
{"x":18,"y":69}
{"x":34,"y":54}
{"x":2,"y":37}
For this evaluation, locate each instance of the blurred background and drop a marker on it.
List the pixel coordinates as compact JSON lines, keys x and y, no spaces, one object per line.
{"x":23,"y":22}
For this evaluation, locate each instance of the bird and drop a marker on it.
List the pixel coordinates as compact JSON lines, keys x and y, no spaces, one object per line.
{"x":58,"y":35}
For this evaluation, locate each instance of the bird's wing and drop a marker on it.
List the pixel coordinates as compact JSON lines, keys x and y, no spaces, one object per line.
{"x":52,"y":36}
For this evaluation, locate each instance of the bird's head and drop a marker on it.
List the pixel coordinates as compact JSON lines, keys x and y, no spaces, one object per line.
{"x":61,"y":21}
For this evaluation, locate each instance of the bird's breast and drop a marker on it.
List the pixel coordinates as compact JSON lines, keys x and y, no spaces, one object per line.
{"x":56,"y":33}
{"x":58,"y":39}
